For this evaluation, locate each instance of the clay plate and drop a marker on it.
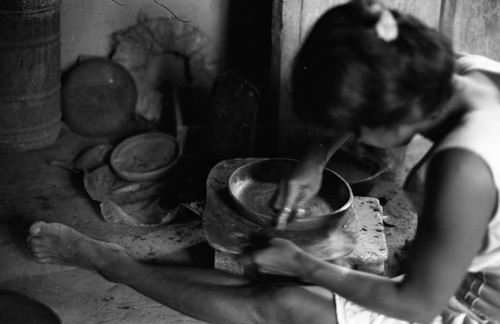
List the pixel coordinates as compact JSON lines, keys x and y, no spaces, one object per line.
{"x":98,"y":98}
{"x":253,"y":186}
{"x":145,"y":157}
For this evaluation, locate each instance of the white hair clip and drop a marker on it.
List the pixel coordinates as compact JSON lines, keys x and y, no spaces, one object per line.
{"x":387,"y":26}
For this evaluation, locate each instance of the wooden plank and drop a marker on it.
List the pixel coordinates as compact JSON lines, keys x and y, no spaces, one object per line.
{"x":292,"y":20}
{"x":285,"y":38}
{"x":446,"y":21}
{"x":476,"y":29}
{"x":426,"y":10}
{"x":312,"y":10}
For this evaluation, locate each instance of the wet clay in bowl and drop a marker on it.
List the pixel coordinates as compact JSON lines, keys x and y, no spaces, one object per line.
{"x":254,"y":185}
{"x":145,"y":157}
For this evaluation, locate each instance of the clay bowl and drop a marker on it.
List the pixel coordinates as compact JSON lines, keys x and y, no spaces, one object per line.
{"x":252,"y":187}
{"x":360,"y":172}
{"x":145,"y":157}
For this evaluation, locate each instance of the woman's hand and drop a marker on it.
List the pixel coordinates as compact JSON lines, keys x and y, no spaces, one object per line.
{"x":280,"y":257}
{"x":296,"y":190}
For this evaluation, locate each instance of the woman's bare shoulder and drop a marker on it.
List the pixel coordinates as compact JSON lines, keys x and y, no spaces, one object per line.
{"x":461,"y":172}
{"x":474,"y":65}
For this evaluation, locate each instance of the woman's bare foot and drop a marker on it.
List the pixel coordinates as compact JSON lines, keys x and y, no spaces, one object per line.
{"x":54,"y":243}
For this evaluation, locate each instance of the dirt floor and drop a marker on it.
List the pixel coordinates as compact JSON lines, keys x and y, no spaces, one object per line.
{"x":33,"y":188}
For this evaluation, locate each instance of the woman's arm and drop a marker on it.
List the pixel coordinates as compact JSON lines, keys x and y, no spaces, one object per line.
{"x":305,"y":180}
{"x":459,"y":202}
{"x":322,"y":149}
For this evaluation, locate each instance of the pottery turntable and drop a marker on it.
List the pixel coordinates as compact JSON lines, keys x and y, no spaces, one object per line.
{"x":353,"y":237}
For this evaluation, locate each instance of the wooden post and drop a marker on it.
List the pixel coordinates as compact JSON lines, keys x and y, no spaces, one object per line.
{"x":429,"y":11}
{"x":292,"y":20}
{"x":448,"y":10}
{"x":285,"y":42}
{"x":475,"y":28}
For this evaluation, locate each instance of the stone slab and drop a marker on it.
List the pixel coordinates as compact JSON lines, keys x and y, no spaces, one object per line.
{"x":370,"y":251}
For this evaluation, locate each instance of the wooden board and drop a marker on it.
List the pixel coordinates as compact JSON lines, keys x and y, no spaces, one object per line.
{"x":292,"y":20}
{"x":448,"y":9}
{"x":428,"y":11}
{"x":311,"y":10}
{"x":475,"y":27}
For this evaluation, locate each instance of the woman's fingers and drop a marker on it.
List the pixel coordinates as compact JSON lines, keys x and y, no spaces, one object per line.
{"x":278,"y":201}
{"x":285,"y":203}
{"x":277,"y":258}
{"x":292,"y":204}
{"x":290,"y":207}
{"x":300,"y":204}
{"x":246,"y":259}
{"x":283,"y":218}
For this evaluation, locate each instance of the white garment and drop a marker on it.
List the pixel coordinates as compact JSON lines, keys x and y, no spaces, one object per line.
{"x":479,"y":133}
{"x":351,"y":313}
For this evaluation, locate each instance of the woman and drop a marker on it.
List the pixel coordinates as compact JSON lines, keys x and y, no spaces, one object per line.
{"x":387,"y":85}
{"x":384,"y":77}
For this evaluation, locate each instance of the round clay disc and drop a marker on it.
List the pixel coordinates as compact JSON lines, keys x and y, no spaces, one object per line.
{"x":98,"y":98}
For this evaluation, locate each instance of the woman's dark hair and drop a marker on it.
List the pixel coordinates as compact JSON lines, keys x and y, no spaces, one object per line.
{"x":345,"y":76}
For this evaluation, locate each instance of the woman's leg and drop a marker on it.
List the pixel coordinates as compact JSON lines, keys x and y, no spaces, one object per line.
{"x":206,"y":294}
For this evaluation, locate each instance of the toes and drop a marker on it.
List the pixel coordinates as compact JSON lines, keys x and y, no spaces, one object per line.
{"x":38,"y":245}
{"x":34,"y":242}
{"x":36,"y":228}
{"x":43,"y":255}
{"x":40,"y":249}
{"x":45,"y":260}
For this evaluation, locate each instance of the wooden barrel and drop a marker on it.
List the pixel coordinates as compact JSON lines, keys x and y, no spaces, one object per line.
{"x":30,"y":112}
